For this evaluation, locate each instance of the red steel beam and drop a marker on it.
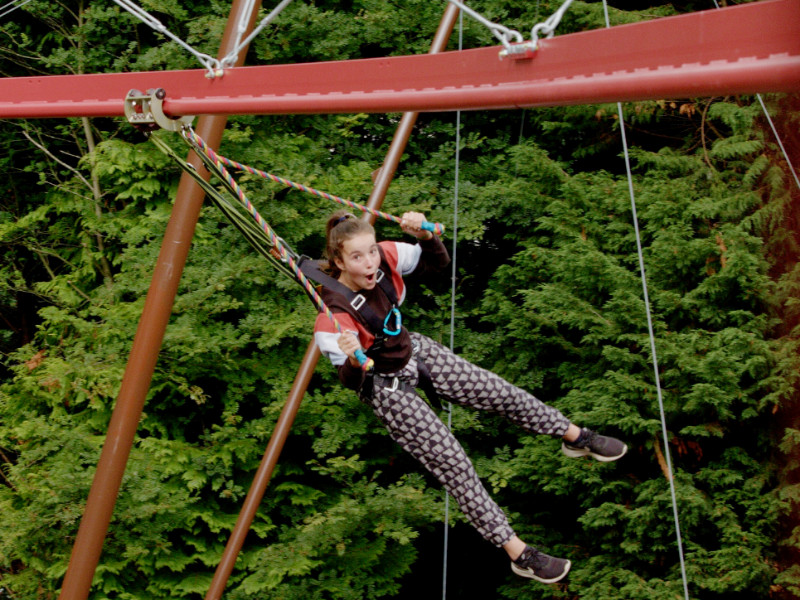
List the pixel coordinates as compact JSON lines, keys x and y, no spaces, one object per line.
{"x":740,"y":49}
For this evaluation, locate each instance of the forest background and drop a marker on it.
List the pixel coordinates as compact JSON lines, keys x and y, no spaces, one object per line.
{"x":548,"y":295}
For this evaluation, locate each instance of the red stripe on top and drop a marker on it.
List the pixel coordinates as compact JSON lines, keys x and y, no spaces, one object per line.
{"x":392,"y":258}
{"x":324,"y":325}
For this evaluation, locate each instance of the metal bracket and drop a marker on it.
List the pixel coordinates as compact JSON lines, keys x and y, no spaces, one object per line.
{"x":146,"y":111}
{"x":523,"y":50}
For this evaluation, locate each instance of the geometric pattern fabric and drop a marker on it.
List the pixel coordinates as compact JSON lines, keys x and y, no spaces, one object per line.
{"x":414,"y":425}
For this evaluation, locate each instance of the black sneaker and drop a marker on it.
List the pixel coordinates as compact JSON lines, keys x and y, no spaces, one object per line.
{"x":602,"y":448}
{"x":539,"y":566}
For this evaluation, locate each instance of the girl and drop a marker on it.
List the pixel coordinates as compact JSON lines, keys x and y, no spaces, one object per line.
{"x":364,"y":290}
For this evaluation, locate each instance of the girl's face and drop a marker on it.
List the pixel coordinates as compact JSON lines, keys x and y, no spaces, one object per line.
{"x":359,"y":262}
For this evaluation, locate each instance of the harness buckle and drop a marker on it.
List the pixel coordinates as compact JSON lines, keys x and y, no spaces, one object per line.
{"x":358,"y":301}
{"x":379,"y":276}
{"x":391,"y":384}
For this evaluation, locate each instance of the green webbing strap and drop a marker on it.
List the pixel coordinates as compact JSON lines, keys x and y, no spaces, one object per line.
{"x":260,"y":235}
{"x":251,"y":232}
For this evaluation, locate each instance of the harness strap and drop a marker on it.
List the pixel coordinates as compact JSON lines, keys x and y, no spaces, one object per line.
{"x":426,"y":384}
{"x":395,"y":383}
{"x":358,"y":302}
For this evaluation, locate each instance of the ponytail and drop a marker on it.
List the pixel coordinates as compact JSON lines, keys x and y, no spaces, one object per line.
{"x":341,"y":226}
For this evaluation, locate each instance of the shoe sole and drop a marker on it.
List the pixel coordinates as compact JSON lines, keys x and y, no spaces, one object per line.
{"x":530,"y":574}
{"x":577,"y":452}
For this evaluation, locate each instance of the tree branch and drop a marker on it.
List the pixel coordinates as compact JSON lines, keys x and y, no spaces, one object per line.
{"x":105,"y":267}
{"x":703,"y":134}
{"x":3,"y":473}
{"x":662,"y":461}
{"x":53,"y":157}
{"x":7,"y":590}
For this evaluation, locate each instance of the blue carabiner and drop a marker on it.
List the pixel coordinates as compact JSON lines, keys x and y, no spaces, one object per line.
{"x":398,"y":322}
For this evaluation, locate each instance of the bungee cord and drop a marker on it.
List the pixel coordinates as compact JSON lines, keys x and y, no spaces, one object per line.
{"x":288,"y":257}
{"x":263,"y":233}
{"x":247,"y":227}
{"x":651,"y":334}
{"x":436,"y":228}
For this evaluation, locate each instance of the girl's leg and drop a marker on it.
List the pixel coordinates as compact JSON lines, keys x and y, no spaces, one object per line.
{"x":417,"y":428}
{"x":461,"y":382}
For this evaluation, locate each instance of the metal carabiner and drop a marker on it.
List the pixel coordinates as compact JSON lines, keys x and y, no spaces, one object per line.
{"x":398,"y":322}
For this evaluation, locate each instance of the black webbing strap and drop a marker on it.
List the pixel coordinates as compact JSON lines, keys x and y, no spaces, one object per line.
{"x":358,"y":302}
{"x":426,"y":384}
{"x":395,"y":383}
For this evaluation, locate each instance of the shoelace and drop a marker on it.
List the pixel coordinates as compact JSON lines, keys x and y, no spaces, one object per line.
{"x":531,"y":558}
{"x":590,"y":439}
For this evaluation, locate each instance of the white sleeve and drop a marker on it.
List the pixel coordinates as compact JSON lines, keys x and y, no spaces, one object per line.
{"x":407,"y":257}
{"x":328,"y":346}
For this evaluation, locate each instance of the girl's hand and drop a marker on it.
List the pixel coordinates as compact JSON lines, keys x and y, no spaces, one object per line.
{"x":411,"y":223}
{"x":349,"y":344}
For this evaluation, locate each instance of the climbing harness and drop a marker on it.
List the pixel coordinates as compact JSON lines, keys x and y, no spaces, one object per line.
{"x":380,"y":329}
{"x":355,"y":300}
{"x":651,"y":333}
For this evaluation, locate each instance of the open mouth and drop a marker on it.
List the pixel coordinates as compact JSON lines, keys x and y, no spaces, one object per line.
{"x":370,"y":278}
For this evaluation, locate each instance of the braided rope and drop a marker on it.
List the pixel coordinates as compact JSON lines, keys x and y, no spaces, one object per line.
{"x":286,"y":257}
{"x":438,"y":229}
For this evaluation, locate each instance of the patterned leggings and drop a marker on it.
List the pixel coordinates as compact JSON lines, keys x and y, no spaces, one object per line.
{"x":415,"y":426}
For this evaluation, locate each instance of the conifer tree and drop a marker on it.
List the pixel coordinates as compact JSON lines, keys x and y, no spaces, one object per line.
{"x":548,"y":295}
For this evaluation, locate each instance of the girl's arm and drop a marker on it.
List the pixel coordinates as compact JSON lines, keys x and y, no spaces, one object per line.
{"x":411,"y":223}
{"x":434,"y":256}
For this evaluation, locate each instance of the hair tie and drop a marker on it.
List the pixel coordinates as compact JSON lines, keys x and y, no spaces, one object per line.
{"x":343,"y":218}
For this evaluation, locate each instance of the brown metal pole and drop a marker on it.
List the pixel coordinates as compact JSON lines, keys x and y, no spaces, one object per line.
{"x":306,"y":369}
{"x":144,"y":352}
{"x":400,"y":140}
{"x":264,"y":474}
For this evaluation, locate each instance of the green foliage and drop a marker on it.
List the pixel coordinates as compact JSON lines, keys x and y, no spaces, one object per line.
{"x":548,"y":295}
